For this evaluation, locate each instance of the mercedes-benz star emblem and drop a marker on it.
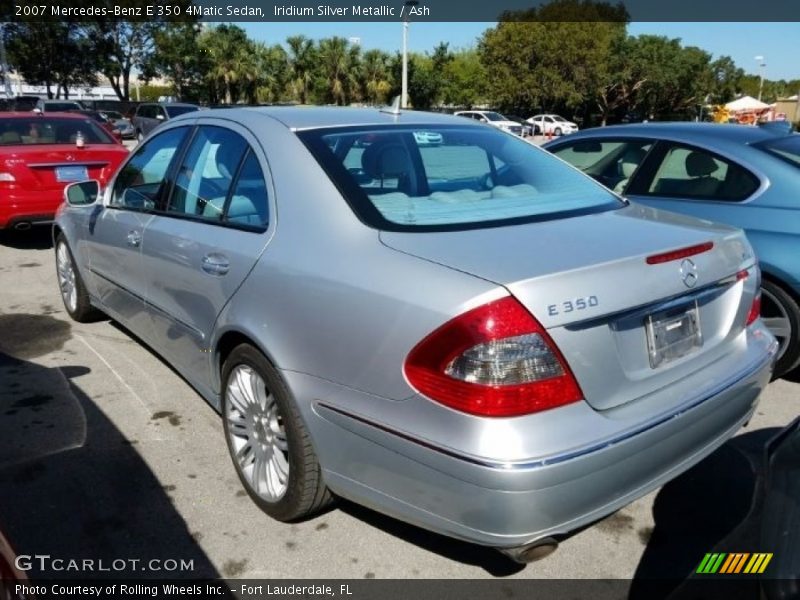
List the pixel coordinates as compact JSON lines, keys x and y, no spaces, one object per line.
{"x":689,"y":273}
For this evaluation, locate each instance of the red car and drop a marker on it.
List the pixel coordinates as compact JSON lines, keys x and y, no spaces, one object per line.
{"x":40,"y":154}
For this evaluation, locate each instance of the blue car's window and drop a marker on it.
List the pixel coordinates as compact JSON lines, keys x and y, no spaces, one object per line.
{"x":695,"y":173}
{"x":451,"y":177}
{"x":787,"y":148}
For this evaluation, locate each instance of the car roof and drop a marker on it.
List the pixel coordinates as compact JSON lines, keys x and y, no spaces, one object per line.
{"x":317,"y":117}
{"x":686,"y":131}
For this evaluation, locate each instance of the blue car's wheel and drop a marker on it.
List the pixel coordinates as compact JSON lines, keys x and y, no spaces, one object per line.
{"x":781,"y":314}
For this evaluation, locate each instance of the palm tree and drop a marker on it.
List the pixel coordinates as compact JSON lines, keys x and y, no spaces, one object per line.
{"x":374,"y":76}
{"x":335,"y":61}
{"x":301,"y":63}
{"x":228,"y":49}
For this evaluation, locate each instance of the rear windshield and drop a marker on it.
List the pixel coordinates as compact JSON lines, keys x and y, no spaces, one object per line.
{"x":174,"y":111}
{"x":787,"y":148}
{"x":45,"y":130}
{"x":493,"y":116}
{"x":451,"y":177}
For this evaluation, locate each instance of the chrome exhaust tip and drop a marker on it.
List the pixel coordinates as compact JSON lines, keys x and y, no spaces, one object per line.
{"x":22,"y":226}
{"x":531,"y":552}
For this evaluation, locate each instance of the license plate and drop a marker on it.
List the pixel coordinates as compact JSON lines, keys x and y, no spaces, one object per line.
{"x":72,"y":173}
{"x":673,"y":333}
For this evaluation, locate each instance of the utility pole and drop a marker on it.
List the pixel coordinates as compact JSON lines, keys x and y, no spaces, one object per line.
{"x":406,"y":16}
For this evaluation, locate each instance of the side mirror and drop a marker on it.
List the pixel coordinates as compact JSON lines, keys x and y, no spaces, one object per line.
{"x":82,"y":193}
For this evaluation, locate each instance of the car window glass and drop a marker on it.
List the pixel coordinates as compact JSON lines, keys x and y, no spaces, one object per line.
{"x":248,"y":201}
{"x":611,"y":162}
{"x":452,"y":176}
{"x":142,"y":178}
{"x":206,"y":173}
{"x":695,"y":173}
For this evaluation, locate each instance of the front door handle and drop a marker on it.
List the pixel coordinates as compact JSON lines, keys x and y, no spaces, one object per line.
{"x":215,"y":264}
{"x":134,"y":238}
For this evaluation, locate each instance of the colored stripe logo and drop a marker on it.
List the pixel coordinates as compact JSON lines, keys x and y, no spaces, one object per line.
{"x":734,"y":563}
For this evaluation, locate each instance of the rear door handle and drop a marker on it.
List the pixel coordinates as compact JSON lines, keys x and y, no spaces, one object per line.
{"x":215,"y":264}
{"x":134,"y":238}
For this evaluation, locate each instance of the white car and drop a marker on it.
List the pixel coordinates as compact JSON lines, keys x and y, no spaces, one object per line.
{"x":428,"y":137}
{"x":552,"y":125}
{"x":492,"y":118}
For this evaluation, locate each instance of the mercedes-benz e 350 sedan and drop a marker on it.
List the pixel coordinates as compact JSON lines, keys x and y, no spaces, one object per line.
{"x":470,"y":336}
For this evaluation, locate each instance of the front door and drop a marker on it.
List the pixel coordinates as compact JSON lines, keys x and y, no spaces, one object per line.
{"x":116,"y":232}
{"x":204,"y":240}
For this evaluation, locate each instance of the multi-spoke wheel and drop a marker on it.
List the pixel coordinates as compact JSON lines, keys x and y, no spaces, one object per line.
{"x":781,"y":314}
{"x":73,"y":292}
{"x":267,"y":440}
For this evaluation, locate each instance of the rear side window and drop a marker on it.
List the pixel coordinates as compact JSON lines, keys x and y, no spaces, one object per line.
{"x":450,"y":177}
{"x":220,"y":180}
{"x":687,"y":172}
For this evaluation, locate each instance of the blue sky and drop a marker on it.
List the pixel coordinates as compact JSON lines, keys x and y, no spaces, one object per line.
{"x":778,"y":43}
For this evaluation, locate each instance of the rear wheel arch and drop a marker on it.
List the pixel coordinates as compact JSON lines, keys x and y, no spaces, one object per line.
{"x":226,"y":343}
{"x":789,"y":300}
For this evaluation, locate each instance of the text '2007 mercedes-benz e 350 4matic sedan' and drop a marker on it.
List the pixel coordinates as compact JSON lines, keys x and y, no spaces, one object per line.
{"x":470,"y":336}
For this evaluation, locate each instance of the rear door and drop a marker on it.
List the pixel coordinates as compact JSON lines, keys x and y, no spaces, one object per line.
{"x":116,"y":232}
{"x":205,"y":239}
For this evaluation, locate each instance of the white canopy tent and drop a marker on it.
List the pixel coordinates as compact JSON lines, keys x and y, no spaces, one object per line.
{"x":746,"y":103}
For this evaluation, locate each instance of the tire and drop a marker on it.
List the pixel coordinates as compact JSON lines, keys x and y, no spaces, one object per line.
{"x":781,"y":314}
{"x":267,"y":440}
{"x":557,"y":132}
{"x":73,"y":291}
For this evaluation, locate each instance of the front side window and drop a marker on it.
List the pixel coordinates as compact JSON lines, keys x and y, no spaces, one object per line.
{"x":689,"y":172}
{"x":610,"y":162}
{"x":396,"y":179}
{"x":143,"y":178}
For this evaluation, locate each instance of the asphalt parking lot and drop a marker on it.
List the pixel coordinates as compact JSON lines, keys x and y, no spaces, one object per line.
{"x":107,"y":453}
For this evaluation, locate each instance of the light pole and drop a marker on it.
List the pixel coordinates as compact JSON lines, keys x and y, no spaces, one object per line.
{"x":761,"y":65}
{"x":404,"y":90}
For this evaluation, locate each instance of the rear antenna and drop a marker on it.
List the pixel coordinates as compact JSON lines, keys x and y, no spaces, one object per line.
{"x":394,"y":109}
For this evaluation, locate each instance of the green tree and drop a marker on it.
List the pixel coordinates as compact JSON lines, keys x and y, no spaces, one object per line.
{"x":302,"y":57}
{"x":337,"y":70}
{"x":375,"y":76}
{"x":50,"y":53}
{"x":178,"y":58}
{"x":554,"y":55}
{"x":464,"y":80}
{"x":229,"y":55}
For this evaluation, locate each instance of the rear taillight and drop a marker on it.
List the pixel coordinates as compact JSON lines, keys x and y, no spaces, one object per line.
{"x":755,"y":309}
{"x":495,"y":360}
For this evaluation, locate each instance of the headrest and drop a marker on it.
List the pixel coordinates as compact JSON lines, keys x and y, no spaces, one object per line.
{"x":382,"y":159}
{"x":630,"y":160}
{"x":700,"y":165}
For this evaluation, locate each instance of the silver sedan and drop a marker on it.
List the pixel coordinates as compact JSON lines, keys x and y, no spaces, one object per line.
{"x":470,"y":336}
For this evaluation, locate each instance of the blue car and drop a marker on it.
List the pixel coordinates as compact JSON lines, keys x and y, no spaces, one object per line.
{"x":744,"y":176}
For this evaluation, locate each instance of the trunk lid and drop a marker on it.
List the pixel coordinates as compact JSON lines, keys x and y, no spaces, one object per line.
{"x":587,"y":281}
{"x":51,"y":167}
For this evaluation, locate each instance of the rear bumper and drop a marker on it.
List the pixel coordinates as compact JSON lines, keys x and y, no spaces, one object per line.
{"x":508,"y":504}
{"x":28,"y":207}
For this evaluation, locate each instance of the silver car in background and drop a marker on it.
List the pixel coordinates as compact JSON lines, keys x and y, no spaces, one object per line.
{"x":470,"y":336}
